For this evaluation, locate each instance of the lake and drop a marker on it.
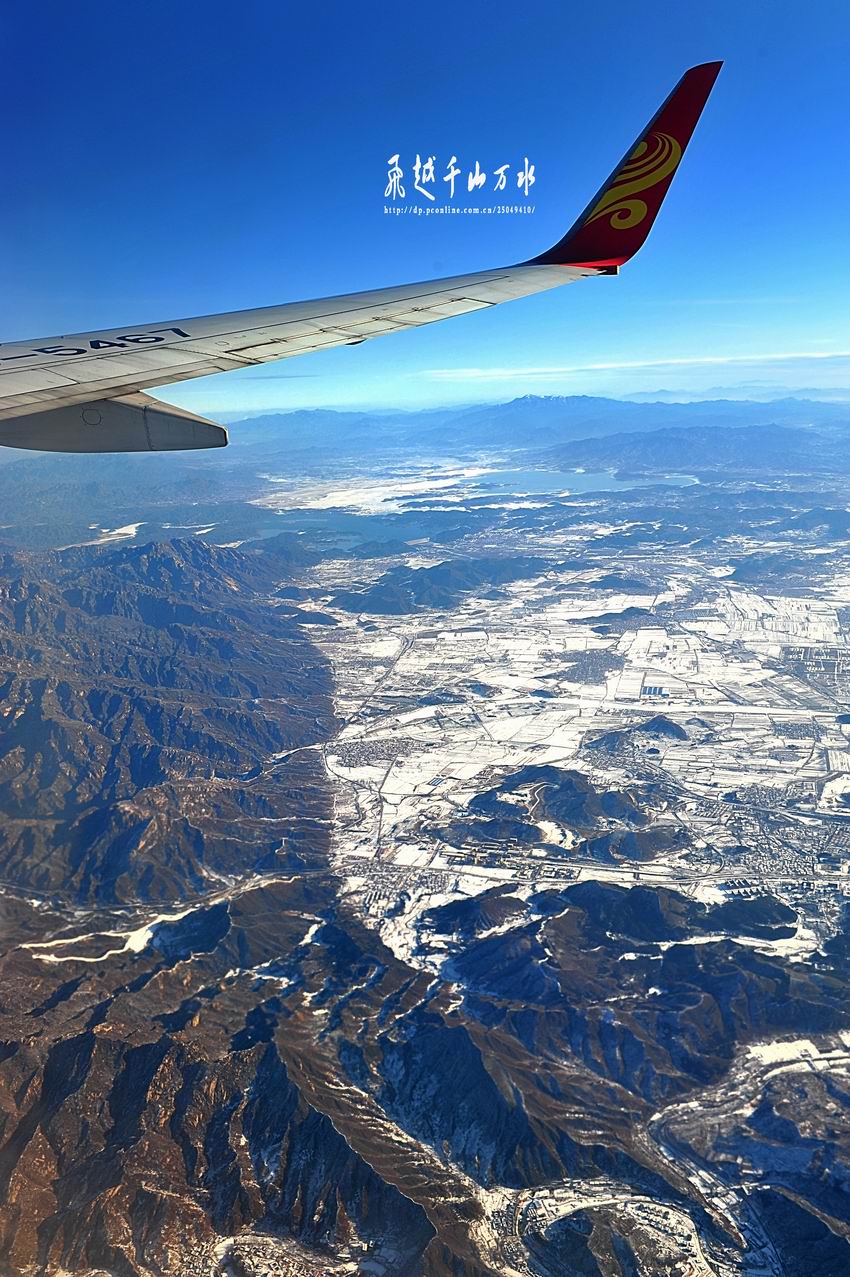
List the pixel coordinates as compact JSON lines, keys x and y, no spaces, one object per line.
{"x":554,"y":481}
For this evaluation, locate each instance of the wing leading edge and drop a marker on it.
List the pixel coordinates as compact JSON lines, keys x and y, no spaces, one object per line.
{"x":80,"y":393}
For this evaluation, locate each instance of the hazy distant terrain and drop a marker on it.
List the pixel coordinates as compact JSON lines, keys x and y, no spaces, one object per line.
{"x":50,"y":501}
{"x":425,"y":847}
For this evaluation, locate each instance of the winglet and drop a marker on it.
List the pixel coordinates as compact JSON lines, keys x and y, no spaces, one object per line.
{"x":618,"y":219}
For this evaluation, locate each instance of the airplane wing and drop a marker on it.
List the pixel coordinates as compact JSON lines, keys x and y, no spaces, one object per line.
{"x":83,"y":393}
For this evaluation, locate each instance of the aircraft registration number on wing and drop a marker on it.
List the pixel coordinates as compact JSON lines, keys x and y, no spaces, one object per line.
{"x":121,"y":341}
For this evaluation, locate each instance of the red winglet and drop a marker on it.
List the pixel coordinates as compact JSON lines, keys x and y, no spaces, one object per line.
{"x":618,"y":219}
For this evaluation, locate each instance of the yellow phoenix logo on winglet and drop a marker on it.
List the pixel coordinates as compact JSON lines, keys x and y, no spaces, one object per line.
{"x":653,"y":159}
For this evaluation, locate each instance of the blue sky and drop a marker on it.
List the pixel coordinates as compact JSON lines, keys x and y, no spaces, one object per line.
{"x":164,"y":161}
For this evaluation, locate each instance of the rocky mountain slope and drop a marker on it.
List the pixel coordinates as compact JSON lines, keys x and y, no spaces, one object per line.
{"x":204,"y":1048}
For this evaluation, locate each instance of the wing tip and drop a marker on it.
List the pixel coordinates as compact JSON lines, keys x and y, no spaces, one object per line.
{"x":620,"y":216}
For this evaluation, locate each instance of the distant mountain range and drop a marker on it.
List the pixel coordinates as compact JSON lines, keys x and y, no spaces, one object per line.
{"x":755,"y":391}
{"x":719,"y":449}
{"x":49,"y":501}
{"x":527,"y":422}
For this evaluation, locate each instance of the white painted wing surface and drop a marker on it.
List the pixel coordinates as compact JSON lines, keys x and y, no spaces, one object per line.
{"x":37,"y":377}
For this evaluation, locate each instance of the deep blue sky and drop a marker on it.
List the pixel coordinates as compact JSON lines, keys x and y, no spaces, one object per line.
{"x":165,"y":160}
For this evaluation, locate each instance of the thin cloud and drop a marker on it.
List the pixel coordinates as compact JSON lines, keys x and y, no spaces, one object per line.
{"x":563,"y":370}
